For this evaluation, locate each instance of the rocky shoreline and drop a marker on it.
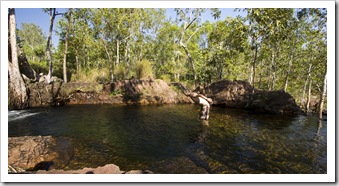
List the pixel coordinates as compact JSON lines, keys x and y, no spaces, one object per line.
{"x":232,"y":94}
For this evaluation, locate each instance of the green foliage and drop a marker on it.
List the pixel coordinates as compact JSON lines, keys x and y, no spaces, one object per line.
{"x":115,"y":93}
{"x":39,"y":67}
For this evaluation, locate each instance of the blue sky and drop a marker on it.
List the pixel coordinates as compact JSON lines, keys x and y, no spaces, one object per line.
{"x":40,"y":18}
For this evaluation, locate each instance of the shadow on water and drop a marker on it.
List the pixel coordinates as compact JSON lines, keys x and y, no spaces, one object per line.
{"x":171,"y":139}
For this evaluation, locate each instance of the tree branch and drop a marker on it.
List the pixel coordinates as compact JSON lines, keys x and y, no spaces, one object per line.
{"x":192,"y":35}
{"x":189,"y":24}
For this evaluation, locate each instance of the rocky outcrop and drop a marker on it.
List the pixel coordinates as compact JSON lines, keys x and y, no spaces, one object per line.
{"x":48,"y":155}
{"x":240,"y":94}
{"x":147,"y":92}
{"x":38,"y":152}
{"x":42,"y":94}
{"x":230,"y":93}
{"x":141,"y":92}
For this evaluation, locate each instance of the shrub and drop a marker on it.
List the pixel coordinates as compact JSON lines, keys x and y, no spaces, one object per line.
{"x":144,"y":70}
{"x":92,"y":75}
{"x":166,"y":78}
{"x":120,"y":71}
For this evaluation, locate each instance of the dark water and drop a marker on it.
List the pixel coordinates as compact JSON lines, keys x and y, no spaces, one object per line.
{"x":171,"y":138}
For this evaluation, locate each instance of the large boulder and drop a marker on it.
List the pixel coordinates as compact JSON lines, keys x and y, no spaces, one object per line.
{"x":230,"y":93}
{"x":240,"y":94}
{"x":273,"y":102}
{"x":42,"y":94}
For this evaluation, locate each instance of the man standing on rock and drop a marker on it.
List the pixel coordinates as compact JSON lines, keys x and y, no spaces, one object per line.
{"x":203,"y":101}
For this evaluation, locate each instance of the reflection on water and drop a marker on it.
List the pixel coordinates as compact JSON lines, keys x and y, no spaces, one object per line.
{"x":171,"y":138}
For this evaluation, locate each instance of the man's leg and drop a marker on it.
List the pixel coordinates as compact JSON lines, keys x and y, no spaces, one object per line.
{"x":207,"y":112}
{"x":203,"y":112}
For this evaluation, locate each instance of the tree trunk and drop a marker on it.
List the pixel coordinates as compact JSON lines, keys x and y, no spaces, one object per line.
{"x":52,"y":15}
{"x":309,"y":96}
{"x":109,"y":59}
{"x":77,"y":60}
{"x":190,"y":60}
{"x":322,"y":97}
{"x":273,"y":70}
{"x":18,"y":96}
{"x":306,"y":81}
{"x":287,"y":75}
{"x":253,"y":66}
{"x":118,"y":55}
{"x":290,"y":62}
{"x":66,"y":44}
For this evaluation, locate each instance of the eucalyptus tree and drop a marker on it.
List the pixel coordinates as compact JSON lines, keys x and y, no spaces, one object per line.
{"x":167,"y":54}
{"x":17,"y":92}
{"x":228,"y":41}
{"x":189,"y":20}
{"x":144,"y":26}
{"x":314,"y":47}
{"x":64,"y":67}
{"x":268,"y":26}
{"x":85,"y":45}
{"x":52,"y":14}
{"x":254,"y":32}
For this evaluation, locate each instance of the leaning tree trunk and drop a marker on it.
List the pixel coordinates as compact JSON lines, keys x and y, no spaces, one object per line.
{"x":190,"y":60}
{"x":17,"y":92}
{"x":322,"y":98}
{"x":52,"y":14}
{"x":186,"y":26}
